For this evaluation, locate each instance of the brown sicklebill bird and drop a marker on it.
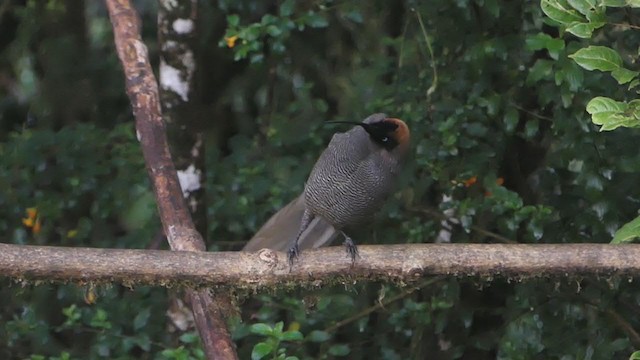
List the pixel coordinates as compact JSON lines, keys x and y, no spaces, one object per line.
{"x":348,"y":184}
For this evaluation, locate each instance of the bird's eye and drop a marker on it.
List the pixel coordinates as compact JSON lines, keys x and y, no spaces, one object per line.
{"x":385,"y":139}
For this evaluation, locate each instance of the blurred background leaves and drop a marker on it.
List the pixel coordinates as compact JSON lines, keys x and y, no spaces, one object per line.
{"x":501,"y":142}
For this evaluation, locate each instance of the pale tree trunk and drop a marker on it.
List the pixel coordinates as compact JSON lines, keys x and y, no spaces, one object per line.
{"x":177,"y":22}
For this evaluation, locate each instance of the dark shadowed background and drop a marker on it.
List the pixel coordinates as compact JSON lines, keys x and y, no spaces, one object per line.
{"x":500,"y":141}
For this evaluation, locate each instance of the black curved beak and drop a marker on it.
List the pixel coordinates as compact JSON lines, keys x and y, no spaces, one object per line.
{"x":348,"y":122}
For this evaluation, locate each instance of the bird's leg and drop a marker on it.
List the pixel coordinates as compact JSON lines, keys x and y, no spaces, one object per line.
{"x":294,"y":250}
{"x":352,"y":249}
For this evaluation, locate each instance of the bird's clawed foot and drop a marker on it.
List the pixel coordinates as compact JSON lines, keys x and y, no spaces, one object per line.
{"x":352,"y":249}
{"x":293,"y":254}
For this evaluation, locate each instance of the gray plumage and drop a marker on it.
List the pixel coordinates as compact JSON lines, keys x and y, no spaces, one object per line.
{"x":278,"y":232}
{"x":348,"y":184}
{"x":351,"y":179}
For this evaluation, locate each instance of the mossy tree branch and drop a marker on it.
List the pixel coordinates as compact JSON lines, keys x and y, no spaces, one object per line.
{"x":267,"y":269}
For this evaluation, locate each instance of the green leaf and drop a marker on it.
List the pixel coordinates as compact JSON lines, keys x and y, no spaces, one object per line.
{"x":611,"y":114}
{"x":603,"y":104}
{"x":292,"y":335}
{"x":286,"y":8}
{"x":615,"y":121}
{"x":583,"y":6}
{"x":318,"y":336}
{"x":233,"y":20}
{"x":584,"y":30}
{"x":633,"y":3}
{"x":316,"y":20}
{"x":339,"y":350}
{"x":278,"y":328}
{"x":100,"y":320}
{"x":63,"y":356}
{"x":560,"y":11}
{"x":261,"y":350}
{"x":614,"y":3}
{"x":143,"y":342}
{"x":627,"y":233}
{"x":634,"y":108}
{"x":623,"y":75}
{"x":189,"y":337}
{"x":542,"y":69}
{"x":141,"y":211}
{"x":492,"y":7}
{"x":571,"y":74}
{"x":261,"y":329}
{"x":141,"y":319}
{"x":251,"y":32}
{"x":274,"y":30}
{"x":544,"y":41}
{"x":531,"y":128}
{"x":598,"y":16}
{"x":635,"y":355}
{"x":355,"y":16}
{"x":177,"y":353}
{"x":73,"y":315}
{"x":597,"y":58}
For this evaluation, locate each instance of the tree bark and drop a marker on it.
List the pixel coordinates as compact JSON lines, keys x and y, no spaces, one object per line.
{"x":177,"y":38}
{"x":267,"y":269}
{"x":178,"y":226}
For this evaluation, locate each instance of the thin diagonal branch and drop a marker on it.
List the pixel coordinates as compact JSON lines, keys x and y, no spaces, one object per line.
{"x":178,"y":226}
{"x":381,"y":304}
{"x":454,"y":221}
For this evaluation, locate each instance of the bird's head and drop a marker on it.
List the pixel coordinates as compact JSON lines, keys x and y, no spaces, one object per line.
{"x":389,"y":133}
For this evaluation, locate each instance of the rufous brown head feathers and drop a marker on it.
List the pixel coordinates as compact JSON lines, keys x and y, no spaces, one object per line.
{"x":390,"y":133}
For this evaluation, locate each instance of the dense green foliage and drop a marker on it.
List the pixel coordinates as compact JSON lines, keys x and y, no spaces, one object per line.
{"x":495,"y":95}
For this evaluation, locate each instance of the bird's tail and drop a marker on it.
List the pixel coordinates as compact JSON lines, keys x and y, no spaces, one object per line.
{"x":281,"y":229}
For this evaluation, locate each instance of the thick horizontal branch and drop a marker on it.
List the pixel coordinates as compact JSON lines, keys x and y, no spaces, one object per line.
{"x":267,"y":268}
